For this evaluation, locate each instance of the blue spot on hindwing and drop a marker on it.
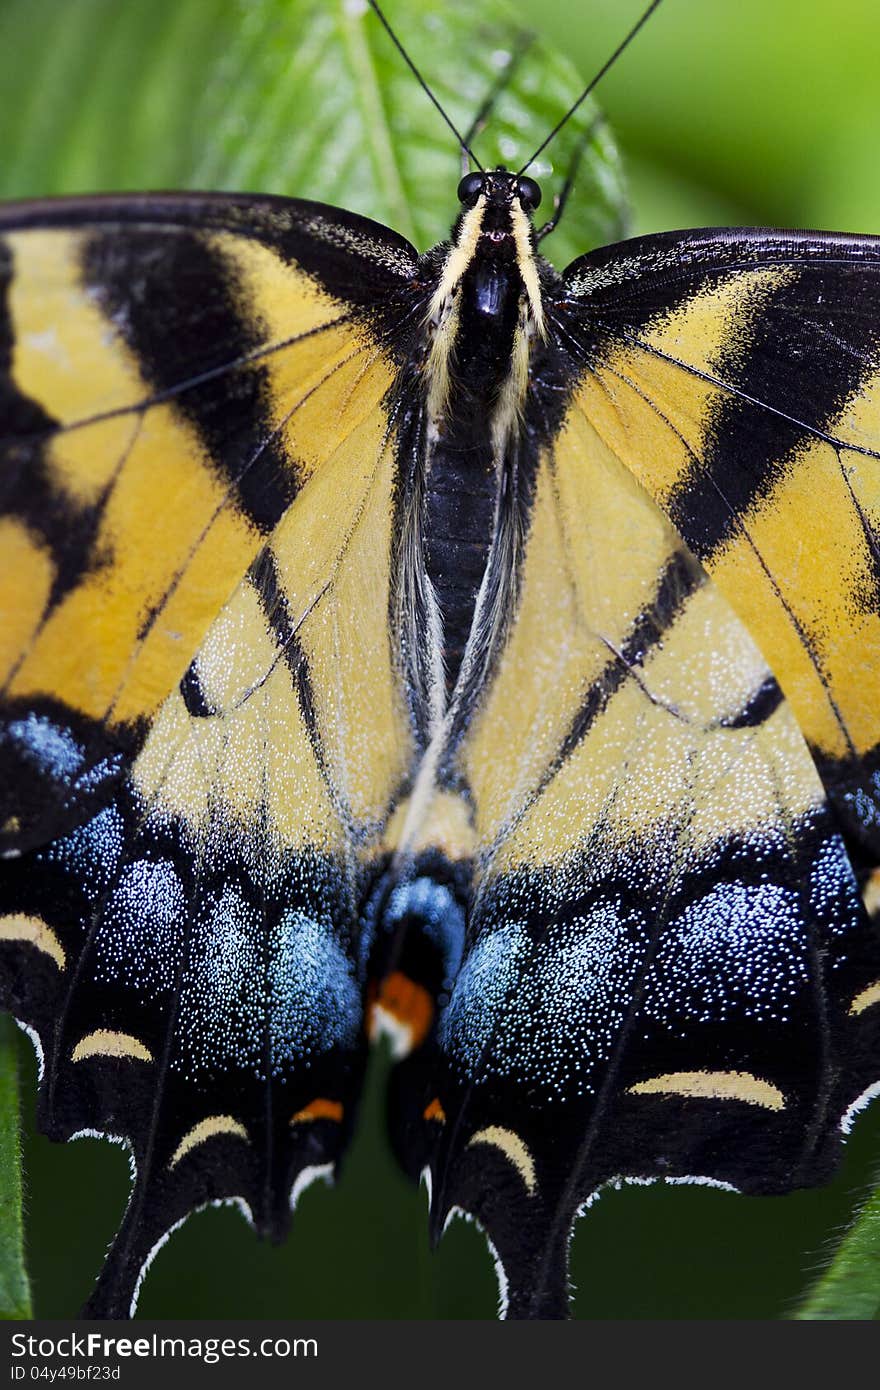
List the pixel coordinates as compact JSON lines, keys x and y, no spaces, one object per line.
{"x":91,"y":852}
{"x":51,"y":749}
{"x":140,"y":939}
{"x":544,"y":1007}
{"x":440,"y":914}
{"x":265,"y":987}
{"x":739,"y":949}
{"x":315,"y":999}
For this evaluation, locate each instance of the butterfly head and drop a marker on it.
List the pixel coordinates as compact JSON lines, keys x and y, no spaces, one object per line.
{"x":494,"y":244}
{"x":496,"y":215}
{"x":501,"y":189}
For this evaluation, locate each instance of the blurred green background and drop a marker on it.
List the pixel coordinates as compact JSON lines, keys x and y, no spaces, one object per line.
{"x":763,"y":111}
{"x":750,"y":113}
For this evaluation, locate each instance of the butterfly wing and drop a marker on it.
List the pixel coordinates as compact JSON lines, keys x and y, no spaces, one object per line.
{"x":737,"y":375}
{"x":200,"y":493}
{"x":666,"y":967}
{"x":175,"y":370}
{"x":628,"y":886}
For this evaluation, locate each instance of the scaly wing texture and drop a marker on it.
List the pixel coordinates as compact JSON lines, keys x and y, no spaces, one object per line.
{"x":737,"y":374}
{"x":204,"y":730}
{"x":666,"y":968}
{"x":174,"y":371}
{"x":629,"y":895}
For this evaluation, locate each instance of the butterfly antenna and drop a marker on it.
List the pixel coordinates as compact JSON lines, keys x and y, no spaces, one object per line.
{"x":422,"y":83}
{"x":523,"y":42}
{"x":596,"y":80}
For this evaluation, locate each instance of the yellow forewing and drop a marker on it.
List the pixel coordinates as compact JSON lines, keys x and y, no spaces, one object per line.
{"x":170,"y":538}
{"x":800,"y":557}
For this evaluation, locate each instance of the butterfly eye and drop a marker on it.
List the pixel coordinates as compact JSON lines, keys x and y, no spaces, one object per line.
{"x":529,"y":194}
{"x":470,"y":189}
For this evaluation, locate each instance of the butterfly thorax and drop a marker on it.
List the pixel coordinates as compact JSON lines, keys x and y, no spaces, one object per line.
{"x":485,"y":310}
{"x":485,"y":316}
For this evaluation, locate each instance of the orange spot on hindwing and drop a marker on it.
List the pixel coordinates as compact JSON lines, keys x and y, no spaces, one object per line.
{"x":321,"y":1108}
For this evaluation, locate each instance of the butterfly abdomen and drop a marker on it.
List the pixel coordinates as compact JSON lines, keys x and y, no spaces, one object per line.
{"x":459,"y":522}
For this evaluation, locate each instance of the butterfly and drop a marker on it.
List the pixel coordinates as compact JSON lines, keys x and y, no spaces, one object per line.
{"x":444,"y":646}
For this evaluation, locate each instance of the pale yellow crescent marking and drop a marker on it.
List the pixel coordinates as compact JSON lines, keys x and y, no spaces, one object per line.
{"x":206,"y":1129}
{"x":865,"y":998}
{"x":871,"y":894}
{"x":514,"y":1150}
{"x":713,"y":1085}
{"x":105,"y":1043}
{"x":34,"y":930}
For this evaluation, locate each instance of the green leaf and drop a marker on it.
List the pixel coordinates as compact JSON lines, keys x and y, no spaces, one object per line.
{"x":850,"y":1286}
{"x":283,"y":96}
{"x":15,"y":1299}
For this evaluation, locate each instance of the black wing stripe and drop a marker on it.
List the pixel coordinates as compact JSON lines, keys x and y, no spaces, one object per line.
{"x":809,"y":431}
{"x":761,"y":706}
{"x":131,"y":277}
{"x":636,"y":280}
{"x":140,"y":407}
{"x":354,"y":258}
{"x":714,"y":487}
{"x":680,"y":578}
{"x":266,"y":443}
{"x":19,"y":415}
{"x":265,"y":579}
{"x":678,"y":581}
{"x":812,"y":378}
